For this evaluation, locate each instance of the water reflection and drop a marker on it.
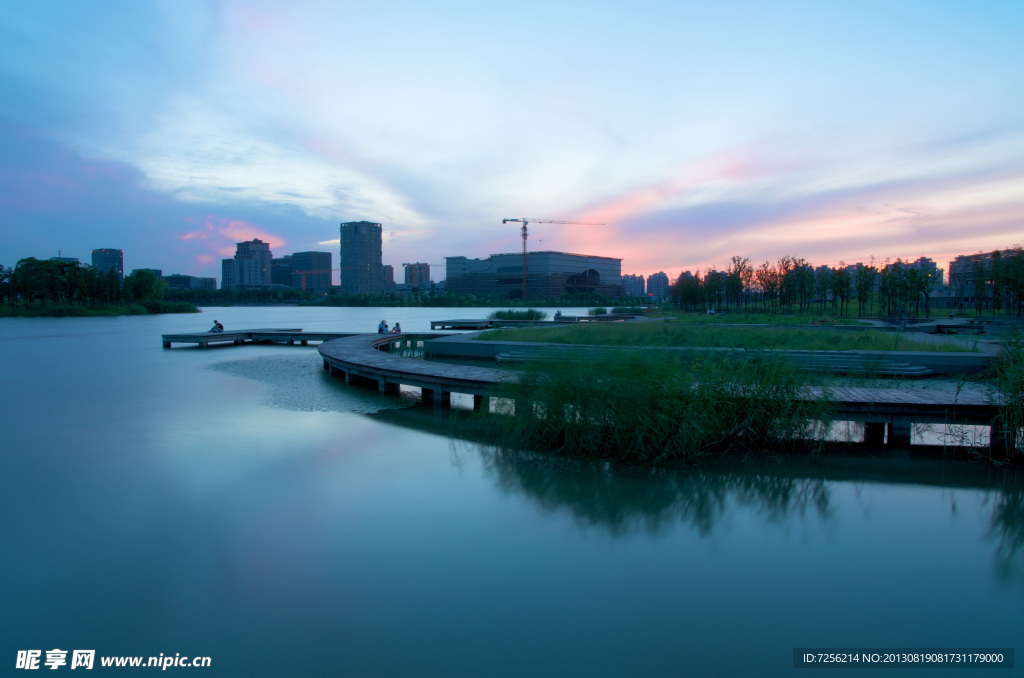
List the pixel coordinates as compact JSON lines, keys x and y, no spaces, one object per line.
{"x":298,"y":383}
{"x":622,"y":500}
{"x":1007,"y":528}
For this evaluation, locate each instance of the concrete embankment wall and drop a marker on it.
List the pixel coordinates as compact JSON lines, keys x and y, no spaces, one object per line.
{"x":954,"y":363}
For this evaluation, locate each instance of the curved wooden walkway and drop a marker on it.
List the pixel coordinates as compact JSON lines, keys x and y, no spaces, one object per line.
{"x":367,"y":357}
{"x":893,"y":410}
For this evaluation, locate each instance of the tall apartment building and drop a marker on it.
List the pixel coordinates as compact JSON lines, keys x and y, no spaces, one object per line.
{"x":109,"y":260}
{"x":417,"y":276}
{"x":657,"y":285}
{"x":633,"y":286}
{"x":389,"y":278}
{"x":250,"y":267}
{"x":361,"y":267}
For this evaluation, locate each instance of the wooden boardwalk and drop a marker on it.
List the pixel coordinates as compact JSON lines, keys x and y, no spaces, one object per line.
{"x":366,"y":358}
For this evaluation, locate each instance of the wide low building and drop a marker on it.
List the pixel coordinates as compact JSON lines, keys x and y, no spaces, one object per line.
{"x":548,"y":274}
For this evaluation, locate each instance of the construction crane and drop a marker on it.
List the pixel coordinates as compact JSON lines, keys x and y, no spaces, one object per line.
{"x":313,"y":272}
{"x":525,"y":221}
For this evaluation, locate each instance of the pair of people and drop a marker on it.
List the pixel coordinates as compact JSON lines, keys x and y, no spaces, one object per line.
{"x":383,"y":328}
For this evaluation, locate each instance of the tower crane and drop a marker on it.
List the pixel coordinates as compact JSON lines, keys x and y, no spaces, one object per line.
{"x":317,"y":271}
{"x":525,"y":221}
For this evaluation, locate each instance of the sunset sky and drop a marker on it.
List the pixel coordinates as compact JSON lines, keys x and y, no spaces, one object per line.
{"x":694,"y":130}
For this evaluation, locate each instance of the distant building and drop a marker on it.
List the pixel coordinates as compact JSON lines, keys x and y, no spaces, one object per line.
{"x":549,"y":274}
{"x":66,"y":260}
{"x":311,"y":271}
{"x":155,"y":271}
{"x":389,"y":278}
{"x":227,"y":274}
{"x":657,"y":285}
{"x":281,"y":270}
{"x":181,"y":281}
{"x":251,"y":266}
{"x":634,"y":286}
{"x":417,"y":276}
{"x":361,"y":267}
{"x":109,"y":260}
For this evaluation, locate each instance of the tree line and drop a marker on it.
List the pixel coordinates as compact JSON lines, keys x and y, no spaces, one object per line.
{"x":792,"y":285}
{"x":35,"y":283}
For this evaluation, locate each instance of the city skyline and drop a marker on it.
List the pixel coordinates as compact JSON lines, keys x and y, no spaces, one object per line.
{"x":694,"y":133}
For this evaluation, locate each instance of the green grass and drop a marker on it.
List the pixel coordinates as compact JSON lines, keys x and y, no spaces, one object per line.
{"x":694,"y":336}
{"x":650,"y":409}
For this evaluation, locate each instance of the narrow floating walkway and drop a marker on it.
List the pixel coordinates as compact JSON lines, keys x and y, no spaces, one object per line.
{"x":259,"y":336}
{"x":892,"y":411}
{"x":366,"y":357}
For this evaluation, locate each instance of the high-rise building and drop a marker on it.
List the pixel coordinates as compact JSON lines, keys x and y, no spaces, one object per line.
{"x":251,"y":266}
{"x":109,"y":260}
{"x":389,"y":278}
{"x":361,"y":266}
{"x":657,"y":285}
{"x":417,"y":276}
{"x":633,"y":286}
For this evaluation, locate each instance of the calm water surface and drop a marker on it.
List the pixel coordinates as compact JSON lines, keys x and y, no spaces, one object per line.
{"x":237,"y":503}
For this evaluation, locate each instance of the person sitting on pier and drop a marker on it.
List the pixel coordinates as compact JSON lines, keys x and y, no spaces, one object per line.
{"x":398,"y":329}
{"x":217,"y":327}
{"x":558,"y":314}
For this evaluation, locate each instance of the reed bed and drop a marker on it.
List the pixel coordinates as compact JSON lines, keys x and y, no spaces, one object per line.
{"x":1009,"y":378}
{"x":696,"y":336}
{"x":644,"y":408}
{"x":510,"y":314}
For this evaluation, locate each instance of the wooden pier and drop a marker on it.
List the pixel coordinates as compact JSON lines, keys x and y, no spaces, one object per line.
{"x":258,"y":336}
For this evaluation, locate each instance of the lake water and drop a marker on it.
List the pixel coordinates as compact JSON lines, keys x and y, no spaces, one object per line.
{"x":238,"y":503}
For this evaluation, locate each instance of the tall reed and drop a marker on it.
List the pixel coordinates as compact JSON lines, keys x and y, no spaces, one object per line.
{"x":1009,"y":378}
{"x":510,"y":314}
{"x":646,"y":407}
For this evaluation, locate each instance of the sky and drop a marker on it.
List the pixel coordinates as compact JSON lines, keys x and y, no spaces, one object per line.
{"x":691,"y":132}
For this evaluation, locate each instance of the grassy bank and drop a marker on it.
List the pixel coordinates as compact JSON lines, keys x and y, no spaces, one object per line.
{"x":694,"y":336}
{"x":651,"y":409}
{"x":59,"y":311}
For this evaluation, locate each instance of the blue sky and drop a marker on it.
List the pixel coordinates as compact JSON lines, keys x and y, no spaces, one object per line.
{"x":695,"y":131}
